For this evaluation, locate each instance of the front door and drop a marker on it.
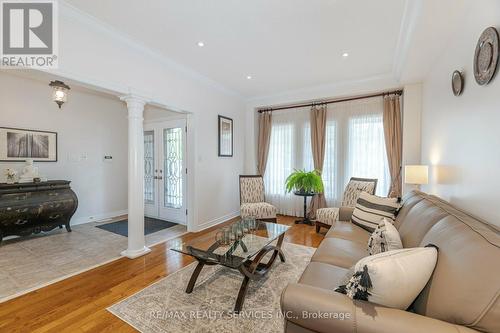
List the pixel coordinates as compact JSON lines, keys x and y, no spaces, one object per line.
{"x":165,"y":170}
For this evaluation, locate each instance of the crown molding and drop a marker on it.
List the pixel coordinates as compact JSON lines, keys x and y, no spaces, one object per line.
{"x":382,"y":81}
{"x":412,"y":12}
{"x":69,"y":11}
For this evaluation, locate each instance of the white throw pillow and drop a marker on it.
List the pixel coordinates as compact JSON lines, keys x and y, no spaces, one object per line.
{"x":371,"y":209}
{"x":384,"y":238}
{"x":393,"y":279}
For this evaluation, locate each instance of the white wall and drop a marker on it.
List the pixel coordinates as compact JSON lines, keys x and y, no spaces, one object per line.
{"x":152,"y":113}
{"x":88,"y":125}
{"x":412,"y":112}
{"x":93,"y":53}
{"x":460,"y":135}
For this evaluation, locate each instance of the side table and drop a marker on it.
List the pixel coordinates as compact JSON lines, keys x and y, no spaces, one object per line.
{"x":304,"y":220}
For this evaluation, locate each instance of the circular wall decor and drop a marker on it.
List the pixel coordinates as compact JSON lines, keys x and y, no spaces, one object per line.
{"x":457,"y":83}
{"x":486,"y":56}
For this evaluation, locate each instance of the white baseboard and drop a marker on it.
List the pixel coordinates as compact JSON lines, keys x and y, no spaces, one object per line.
{"x":98,"y":217}
{"x":216,"y":221}
{"x":108,"y":215}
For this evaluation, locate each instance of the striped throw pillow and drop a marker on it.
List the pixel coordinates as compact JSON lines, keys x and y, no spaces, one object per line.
{"x":371,"y":209}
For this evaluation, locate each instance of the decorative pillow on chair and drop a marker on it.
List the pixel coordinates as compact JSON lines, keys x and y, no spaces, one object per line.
{"x":384,"y":238}
{"x":394,"y":278}
{"x":371,"y":209}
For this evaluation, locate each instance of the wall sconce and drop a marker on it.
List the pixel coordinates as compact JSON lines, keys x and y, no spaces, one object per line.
{"x":60,"y":93}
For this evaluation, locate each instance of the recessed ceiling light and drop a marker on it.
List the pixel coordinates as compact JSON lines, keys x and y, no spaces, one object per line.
{"x":201,"y":44}
{"x":345,"y":54}
{"x":249,"y":77}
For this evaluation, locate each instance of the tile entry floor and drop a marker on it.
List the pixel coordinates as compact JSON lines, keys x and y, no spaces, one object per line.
{"x":32,"y":262}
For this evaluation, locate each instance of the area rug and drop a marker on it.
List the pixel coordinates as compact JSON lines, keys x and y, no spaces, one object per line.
{"x":165,"y":307}
{"x":151,"y":225}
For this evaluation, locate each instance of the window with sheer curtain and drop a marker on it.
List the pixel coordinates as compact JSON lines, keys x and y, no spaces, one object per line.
{"x":355,"y":147}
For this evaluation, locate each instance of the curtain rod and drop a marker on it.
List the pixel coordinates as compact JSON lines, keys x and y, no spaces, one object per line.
{"x":294,"y":106}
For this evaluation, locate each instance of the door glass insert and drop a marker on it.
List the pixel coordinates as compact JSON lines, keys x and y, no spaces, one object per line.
{"x":149,"y":166}
{"x":173,"y":157}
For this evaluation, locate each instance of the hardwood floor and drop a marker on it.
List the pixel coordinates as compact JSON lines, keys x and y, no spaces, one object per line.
{"x":78,"y":304}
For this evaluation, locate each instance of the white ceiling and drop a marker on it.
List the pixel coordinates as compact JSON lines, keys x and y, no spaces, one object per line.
{"x":283,"y":44}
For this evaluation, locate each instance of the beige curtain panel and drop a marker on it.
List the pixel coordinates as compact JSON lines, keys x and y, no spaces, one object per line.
{"x":393,"y":142}
{"x":318,"y":142}
{"x":264,"y":140}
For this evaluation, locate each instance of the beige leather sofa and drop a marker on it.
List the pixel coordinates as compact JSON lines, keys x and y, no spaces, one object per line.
{"x":463,"y":294}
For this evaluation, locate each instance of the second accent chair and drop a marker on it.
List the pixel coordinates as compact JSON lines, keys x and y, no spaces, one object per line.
{"x":326,"y":217}
{"x":252,"y":200}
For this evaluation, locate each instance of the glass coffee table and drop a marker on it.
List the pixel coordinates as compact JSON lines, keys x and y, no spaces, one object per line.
{"x":244,"y":254}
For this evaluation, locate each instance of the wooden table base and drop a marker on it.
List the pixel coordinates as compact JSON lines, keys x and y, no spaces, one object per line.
{"x":305,"y":219}
{"x":251,"y":270}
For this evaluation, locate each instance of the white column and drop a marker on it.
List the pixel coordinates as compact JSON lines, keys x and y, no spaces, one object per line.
{"x":136,"y":240}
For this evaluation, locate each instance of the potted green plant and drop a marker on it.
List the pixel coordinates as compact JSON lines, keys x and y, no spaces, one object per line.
{"x":302,"y":181}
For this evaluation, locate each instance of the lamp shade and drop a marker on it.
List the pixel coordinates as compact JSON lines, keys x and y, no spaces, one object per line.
{"x":416,"y":174}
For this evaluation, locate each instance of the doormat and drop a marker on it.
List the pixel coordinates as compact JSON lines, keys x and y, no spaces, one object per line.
{"x":151,"y":225}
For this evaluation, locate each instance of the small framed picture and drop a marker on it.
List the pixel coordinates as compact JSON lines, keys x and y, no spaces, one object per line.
{"x":225,"y":137}
{"x":17,"y":145}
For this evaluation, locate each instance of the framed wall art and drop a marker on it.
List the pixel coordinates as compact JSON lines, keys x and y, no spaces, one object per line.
{"x":17,"y":145}
{"x":225,"y":136}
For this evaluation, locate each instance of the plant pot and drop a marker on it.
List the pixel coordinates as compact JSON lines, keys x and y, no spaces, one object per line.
{"x":302,"y":192}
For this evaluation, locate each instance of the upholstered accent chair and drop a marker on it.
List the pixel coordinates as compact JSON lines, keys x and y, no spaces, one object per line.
{"x":326,"y":217}
{"x":252,"y":200}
